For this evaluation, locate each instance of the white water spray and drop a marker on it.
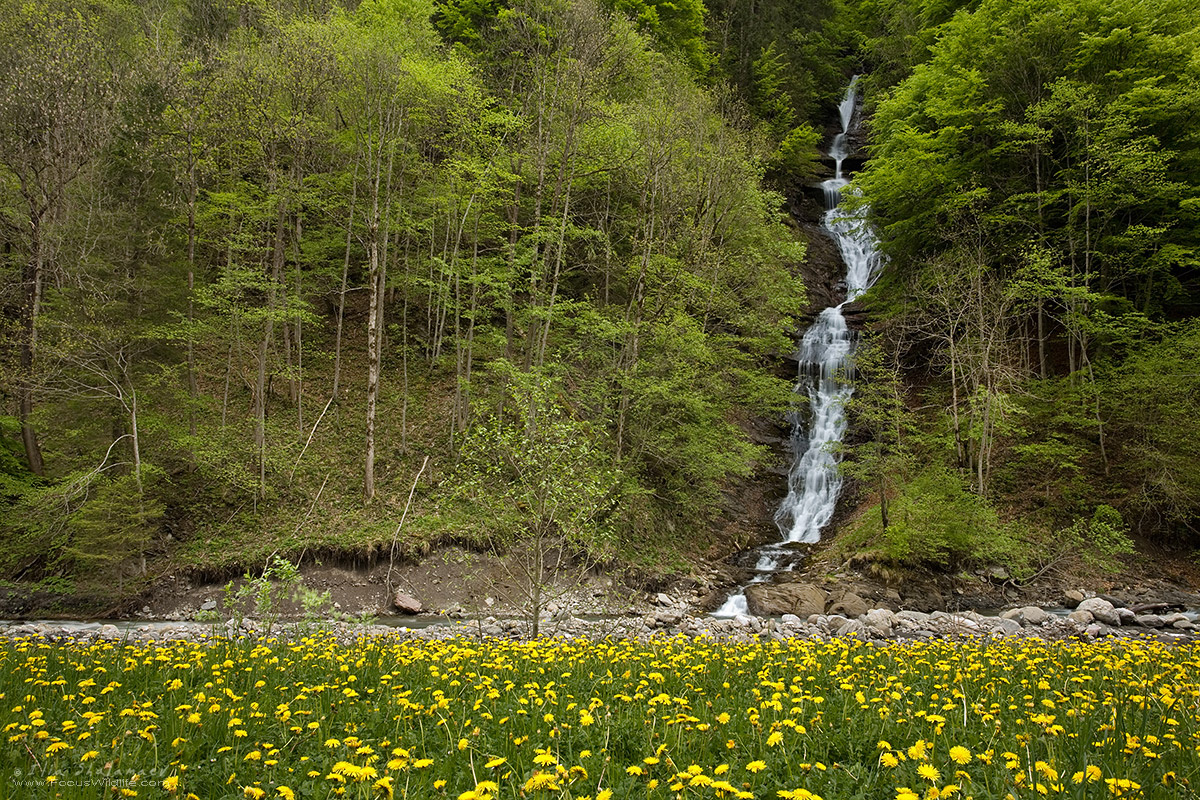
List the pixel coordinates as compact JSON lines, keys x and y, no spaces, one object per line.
{"x":826,"y":360}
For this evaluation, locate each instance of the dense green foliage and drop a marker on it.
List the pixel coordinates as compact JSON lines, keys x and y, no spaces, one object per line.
{"x":1035,"y":175}
{"x":260,"y":261}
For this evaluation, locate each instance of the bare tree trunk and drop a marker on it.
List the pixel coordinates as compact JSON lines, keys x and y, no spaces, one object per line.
{"x":377,"y":244}
{"x":341,"y":315}
{"x":260,"y":385}
{"x":193,"y":389}
{"x":299,"y":383}
{"x":374,"y":316}
{"x":30,"y":312}
{"x":1041,"y":334}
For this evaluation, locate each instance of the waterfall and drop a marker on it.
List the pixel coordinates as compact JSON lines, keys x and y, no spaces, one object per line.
{"x":826,"y":360}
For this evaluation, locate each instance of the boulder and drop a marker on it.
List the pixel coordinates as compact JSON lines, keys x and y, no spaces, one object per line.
{"x":774,"y":599}
{"x":856,"y":628}
{"x":406,"y":603}
{"x":668,"y":617}
{"x":1026,"y":615}
{"x":1126,"y":616}
{"x":663,"y":599}
{"x":849,"y":604}
{"x":1150,"y":621}
{"x":1072,"y":598}
{"x":1101,"y":609}
{"x":913,"y":619}
{"x":747,"y":621}
{"x":1082,"y":617}
{"x":880,"y":620}
{"x":1007,"y":627}
{"x":952,"y":624}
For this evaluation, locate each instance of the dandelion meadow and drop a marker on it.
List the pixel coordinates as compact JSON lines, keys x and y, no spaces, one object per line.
{"x":665,"y":718}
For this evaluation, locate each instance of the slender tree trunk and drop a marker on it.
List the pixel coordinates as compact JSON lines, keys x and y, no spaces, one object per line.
{"x":374,"y":315}
{"x":193,"y":389}
{"x":1041,"y":335}
{"x":558,"y":262}
{"x":341,"y":315}
{"x":513,"y":229}
{"x":299,"y":384}
{"x":883,"y":501}
{"x":30,"y":312}
{"x":260,"y":385}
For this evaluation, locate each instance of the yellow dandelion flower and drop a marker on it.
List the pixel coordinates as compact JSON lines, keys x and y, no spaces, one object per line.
{"x":756,"y":766}
{"x":541,"y":780}
{"x":960,"y":754}
{"x":929,"y":772}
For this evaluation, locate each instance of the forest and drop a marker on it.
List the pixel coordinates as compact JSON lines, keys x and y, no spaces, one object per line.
{"x":272,"y":273}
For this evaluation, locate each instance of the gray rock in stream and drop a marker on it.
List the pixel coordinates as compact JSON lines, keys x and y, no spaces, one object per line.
{"x":1101,"y":609}
{"x":1028,"y":615}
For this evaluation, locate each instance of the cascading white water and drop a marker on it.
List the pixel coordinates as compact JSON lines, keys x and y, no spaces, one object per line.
{"x":825,"y":357}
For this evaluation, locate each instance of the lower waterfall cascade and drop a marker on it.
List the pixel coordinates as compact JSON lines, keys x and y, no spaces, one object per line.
{"x":825,"y":357}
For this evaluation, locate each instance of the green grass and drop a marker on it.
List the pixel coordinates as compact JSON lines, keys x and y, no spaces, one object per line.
{"x":614,"y":718}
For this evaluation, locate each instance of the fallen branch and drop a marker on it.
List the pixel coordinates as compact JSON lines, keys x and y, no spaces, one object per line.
{"x":311,"y":434}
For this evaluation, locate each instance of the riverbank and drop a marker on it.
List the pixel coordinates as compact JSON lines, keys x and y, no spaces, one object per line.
{"x":1093,"y":618}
